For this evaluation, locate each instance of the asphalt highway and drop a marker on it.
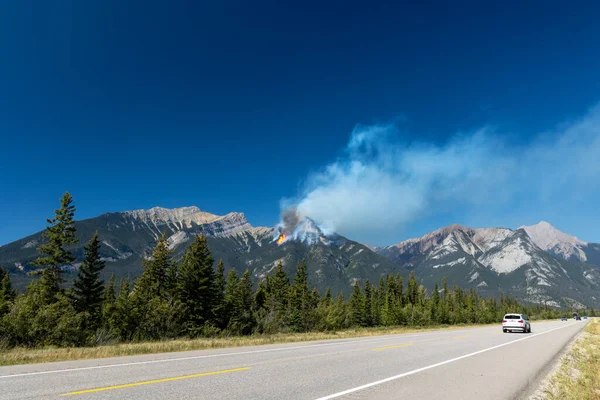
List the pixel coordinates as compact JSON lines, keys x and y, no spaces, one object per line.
{"x":469,"y":363}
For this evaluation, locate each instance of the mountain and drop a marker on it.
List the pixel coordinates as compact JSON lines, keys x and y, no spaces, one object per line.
{"x":537,"y":264}
{"x":562,"y":245}
{"x":332,"y":260}
{"x":556,"y":242}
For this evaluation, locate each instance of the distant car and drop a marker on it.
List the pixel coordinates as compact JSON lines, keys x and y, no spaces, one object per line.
{"x":578,"y":318}
{"x":563,"y":319}
{"x":515,"y":322}
{"x":585,"y":317}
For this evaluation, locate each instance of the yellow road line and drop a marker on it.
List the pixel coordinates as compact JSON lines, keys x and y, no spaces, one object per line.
{"x":392,"y":347}
{"x":154,"y":381}
{"x":461,"y":337}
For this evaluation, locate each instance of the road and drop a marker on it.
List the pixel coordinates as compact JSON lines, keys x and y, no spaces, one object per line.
{"x":469,"y":363}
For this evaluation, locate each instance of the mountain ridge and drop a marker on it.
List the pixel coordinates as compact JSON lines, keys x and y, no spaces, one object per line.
{"x":491,"y":260}
{"x":126,"y":237}
{"x":509,"y":260}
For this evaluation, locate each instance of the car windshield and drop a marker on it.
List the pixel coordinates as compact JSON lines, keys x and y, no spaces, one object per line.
{"x":512,"y":317}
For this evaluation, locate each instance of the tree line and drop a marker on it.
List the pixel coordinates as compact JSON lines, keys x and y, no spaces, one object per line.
{"x":191,"y":298}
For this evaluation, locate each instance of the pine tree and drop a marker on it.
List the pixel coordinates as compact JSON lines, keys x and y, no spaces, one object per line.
{"x":171,"y":283}
{"x":153,"y":281}
{"x":400,"y":298}
{"x":109,"y":293}
{"x":301,"y":279}
{"x":244,"y":312}
{"x":7,"y":293}
{"x":279,"y":286}
{"x":435,"y":302}
{"x":299,"y":299}
{"x":88,"y":288}
{"x":59,"y":234}
{"x":154,"y":311}
{"x":327,"y":298}
{"x":122,"y":321}
{"x":108,"y":303}
{"x":368,"y":303}
{"x":357,"y":305}
{"x":413,"y":288}
{"x":231,"y":292}
{"x":260,"y":297}
{"x":196,"y":283}
{"x":219,"y":301}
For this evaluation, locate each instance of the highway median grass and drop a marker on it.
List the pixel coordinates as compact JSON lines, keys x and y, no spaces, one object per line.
{"x":578,"y":376}
{"x":17,"y":356}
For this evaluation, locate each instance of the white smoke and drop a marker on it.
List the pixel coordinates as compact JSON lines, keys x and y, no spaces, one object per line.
{"x":381,"y":183}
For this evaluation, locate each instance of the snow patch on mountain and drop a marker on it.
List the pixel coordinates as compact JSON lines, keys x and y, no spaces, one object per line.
{"x":451,"y":263}
{"x":548,"y":238}
{"x":358,"y":252}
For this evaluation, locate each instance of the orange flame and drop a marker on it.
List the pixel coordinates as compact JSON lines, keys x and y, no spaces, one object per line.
{"x":281,"y":239}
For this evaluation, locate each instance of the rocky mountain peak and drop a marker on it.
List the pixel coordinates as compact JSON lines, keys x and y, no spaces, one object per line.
{"x":181,"y":217}
{"x":554,"y":241}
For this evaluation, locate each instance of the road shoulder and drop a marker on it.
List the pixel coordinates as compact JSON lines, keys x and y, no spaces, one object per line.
{"x":575,"y":372}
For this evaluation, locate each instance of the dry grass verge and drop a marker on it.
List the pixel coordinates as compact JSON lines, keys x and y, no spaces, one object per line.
{"x":28,"y":356}
{"x":579,"y":374}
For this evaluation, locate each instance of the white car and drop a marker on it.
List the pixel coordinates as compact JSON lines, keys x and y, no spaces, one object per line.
{"x":515,"y":322}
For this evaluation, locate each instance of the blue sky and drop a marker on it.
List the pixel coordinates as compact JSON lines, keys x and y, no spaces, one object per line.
{"x":236,"y":106}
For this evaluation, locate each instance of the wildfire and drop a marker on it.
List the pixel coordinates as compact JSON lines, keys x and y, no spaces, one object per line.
{"x":281,"y":239}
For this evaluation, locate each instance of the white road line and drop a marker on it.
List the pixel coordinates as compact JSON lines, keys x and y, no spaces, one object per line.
{"x":416,"y":371}
{"x":337,"y":343}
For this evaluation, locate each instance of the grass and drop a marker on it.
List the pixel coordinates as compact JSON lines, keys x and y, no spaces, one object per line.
{"x":17,"y":356}
{"x":579,"y":374}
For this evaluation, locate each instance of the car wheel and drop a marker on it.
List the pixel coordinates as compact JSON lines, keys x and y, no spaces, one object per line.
{"x":504,"y":330}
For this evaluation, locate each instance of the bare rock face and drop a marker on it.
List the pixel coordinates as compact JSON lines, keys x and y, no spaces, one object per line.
{"x":556,"y":242}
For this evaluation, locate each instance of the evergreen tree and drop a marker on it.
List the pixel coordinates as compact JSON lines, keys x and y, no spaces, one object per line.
{"x":279,"y":289}
{"x":244,"y":312}
{"x":110,"y":293}
{"x":400,"y":297}
{"x":357,"y":305}
{"x":219,"y":302}
{"x":196,"y":284}
{"x":260,"y":297}
{"x":368,"y":301}
{"x":299,"y":298}
{"x":88,"y":288}
{"x":7,"y":293}
{"x":171,"y":283}
{"x":301,"y":279}
{"x":154,"y":310}
{"x":327,"y":298}
{"x":231,"y":292}
{"x":413,"y":288}
{"x":121,"y":320}
{"x":153,"y":281}
{"x":59,"y":234}
{"x":435,"y":303}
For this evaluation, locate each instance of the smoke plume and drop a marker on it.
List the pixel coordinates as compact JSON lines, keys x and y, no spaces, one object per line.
{"x":382,"y":183}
